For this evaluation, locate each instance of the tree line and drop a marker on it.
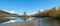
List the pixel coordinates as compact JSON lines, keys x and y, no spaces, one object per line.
{"x":51,"y":13}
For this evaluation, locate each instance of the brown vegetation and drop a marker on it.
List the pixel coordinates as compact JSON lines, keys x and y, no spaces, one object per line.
{"x":51,"y":13}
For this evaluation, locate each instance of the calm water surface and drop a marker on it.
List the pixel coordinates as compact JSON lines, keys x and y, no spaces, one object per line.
{"x":40,"y":21}
{"x":48,"y":22}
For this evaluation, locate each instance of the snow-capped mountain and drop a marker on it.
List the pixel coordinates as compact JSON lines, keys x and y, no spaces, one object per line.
{"x":8,"y":13}
{"x":5,"y":15}
{"x":13,"y":12}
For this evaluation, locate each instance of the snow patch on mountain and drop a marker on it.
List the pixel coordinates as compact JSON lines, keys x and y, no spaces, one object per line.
{"x":13,"y":12}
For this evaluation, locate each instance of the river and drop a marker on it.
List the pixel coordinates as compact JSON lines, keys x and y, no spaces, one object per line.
{"x":40,"y":21}
{"x":48,"y":22}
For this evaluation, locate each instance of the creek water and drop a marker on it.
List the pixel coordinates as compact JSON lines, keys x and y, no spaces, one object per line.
{"x":40,"y":21}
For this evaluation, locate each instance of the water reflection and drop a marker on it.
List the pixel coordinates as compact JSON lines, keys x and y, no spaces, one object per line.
{"x":13,"y":21}
{"x":40,"y":21}
{"x":16,"y":20}
{"x":48,"y":22}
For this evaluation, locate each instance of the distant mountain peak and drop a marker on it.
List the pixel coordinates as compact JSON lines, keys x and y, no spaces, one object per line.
{"x":12,"y":12}
{"x":8,"y":13}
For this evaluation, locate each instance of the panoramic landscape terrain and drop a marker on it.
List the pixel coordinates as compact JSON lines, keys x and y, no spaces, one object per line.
{"x":29,"y":12}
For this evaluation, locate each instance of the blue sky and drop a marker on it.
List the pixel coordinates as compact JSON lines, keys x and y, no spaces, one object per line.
{"x":30,"y":6}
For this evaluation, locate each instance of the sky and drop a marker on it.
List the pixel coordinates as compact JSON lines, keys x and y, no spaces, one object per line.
{"x":29,"y":6}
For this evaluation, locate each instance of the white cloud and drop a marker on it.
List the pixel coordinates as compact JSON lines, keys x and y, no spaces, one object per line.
{"x":34,"y":12}
{"x":37,"y":11}
{"x":41,"y":10}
